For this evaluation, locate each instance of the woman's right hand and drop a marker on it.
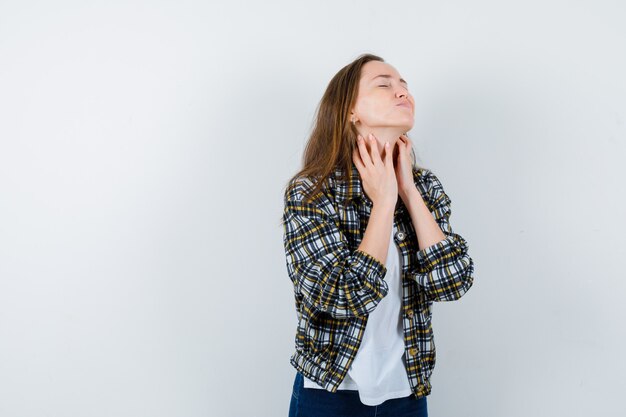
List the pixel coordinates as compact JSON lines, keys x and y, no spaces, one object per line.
{"x":377,"y":174}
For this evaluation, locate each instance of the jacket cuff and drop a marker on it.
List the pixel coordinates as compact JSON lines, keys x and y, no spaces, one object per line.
{"x":365,"y":262}
{"x":428,"y":258}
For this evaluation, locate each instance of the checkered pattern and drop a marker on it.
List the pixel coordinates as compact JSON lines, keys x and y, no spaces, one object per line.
{"x":336,"y":285}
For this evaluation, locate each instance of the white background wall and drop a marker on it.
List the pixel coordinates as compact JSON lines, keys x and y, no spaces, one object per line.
{"x":144,"y":147}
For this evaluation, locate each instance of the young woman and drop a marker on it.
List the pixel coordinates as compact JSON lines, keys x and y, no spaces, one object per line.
{"x":369,"y":248}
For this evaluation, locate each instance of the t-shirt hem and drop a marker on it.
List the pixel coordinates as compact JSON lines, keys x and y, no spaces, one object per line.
{"x":388,"y":396}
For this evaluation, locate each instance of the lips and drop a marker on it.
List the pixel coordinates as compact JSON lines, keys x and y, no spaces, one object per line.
{"x":404,"y":104}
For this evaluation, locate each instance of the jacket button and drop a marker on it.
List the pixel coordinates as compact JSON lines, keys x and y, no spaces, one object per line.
{"x":400,"y":235}
{"x":413,"y":351}
{"x":409,"y":313}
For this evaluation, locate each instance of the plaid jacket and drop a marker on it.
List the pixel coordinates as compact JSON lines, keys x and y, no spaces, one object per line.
{"x":336,"y":286}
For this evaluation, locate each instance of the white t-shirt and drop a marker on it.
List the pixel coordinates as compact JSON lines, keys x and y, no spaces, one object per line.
{"x":378,"y":371}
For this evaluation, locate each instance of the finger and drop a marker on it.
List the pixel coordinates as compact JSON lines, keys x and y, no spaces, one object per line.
{"x":388,"y":155}
{"x":409,"y":144}
{"x":365,"y":156}
{"x":400,"y":143}
{"x":375,"y":153}
{"x":403,"y":146}
{"x":356,"y":158}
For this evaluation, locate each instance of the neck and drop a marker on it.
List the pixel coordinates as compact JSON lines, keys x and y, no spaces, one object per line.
{"x":382,"y":134}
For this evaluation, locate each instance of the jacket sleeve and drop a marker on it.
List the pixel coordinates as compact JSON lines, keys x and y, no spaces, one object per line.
{"x":444,"y":270}
{"x":326,"y":274}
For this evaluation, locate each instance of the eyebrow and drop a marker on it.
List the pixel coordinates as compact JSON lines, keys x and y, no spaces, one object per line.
{"x":389,"y":76}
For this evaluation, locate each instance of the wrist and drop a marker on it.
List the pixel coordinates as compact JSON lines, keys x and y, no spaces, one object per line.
{"x":385,"y":207}
{"x":411,"y":195}
{"x":409,"y":191}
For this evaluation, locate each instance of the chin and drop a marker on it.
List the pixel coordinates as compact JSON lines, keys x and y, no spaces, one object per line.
{"x":407,"y":127}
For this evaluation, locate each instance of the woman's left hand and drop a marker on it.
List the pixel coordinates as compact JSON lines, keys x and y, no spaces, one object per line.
{"x":404,"y":167}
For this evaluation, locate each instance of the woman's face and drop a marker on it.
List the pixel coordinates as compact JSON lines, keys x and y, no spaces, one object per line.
{"x":383,"y":100}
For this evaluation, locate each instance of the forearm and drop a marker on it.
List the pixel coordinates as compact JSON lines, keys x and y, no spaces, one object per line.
{"x":444,"y":270}
{"x":426,"y":228}
{"x":375,"y":240}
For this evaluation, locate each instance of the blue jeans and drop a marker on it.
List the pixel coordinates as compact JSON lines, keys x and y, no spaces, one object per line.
{"x":315,"y":402}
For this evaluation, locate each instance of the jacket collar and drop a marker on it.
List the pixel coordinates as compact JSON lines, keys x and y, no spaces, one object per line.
{"x":347,"y":190}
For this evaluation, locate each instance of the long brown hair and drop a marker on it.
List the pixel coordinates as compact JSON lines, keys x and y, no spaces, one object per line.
{"x":333,"y":137}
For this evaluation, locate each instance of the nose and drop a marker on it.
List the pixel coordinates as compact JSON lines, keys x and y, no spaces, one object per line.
{"x":402,"y":93}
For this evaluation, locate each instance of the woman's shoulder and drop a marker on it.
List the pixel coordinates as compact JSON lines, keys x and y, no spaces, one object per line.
{"x":301,"y":188}
{"x":426,"y":176}
{"x":430,"y":186}
{"x":335,"y":180}
{"x":297,"y":186}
